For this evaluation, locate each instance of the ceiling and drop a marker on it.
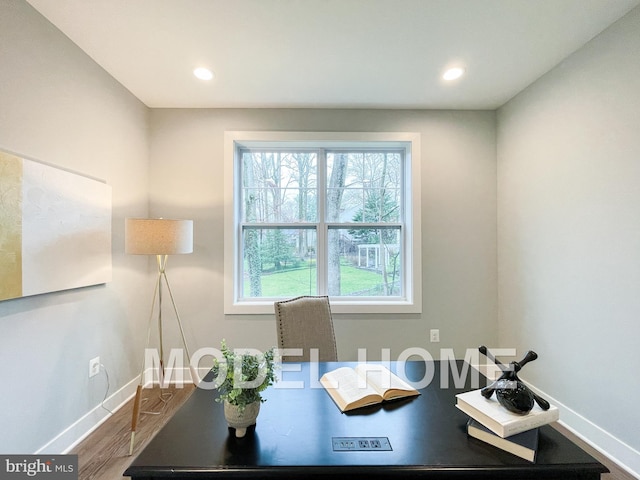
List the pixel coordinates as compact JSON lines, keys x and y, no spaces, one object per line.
{"x":329,"y":53}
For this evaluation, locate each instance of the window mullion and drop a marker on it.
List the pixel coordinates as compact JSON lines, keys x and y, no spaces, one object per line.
{"x":322,"y":234}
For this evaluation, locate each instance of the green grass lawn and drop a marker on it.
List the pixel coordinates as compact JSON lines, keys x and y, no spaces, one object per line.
{"x":291,"y":283}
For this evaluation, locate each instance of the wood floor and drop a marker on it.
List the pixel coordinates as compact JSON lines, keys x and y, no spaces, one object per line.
{"x":617,"y":473}
{"x":104,"y":455}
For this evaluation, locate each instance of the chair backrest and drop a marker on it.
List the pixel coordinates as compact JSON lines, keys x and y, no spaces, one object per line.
{"x":305,"y":322}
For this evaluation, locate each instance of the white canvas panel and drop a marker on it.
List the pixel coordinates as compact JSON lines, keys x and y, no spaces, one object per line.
{"x":66,"y":230}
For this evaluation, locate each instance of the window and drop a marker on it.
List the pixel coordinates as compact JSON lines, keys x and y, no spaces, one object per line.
{"x":322,"y":214}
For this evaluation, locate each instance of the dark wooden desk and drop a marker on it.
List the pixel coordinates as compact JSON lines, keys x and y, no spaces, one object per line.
{"x":293,"y":439}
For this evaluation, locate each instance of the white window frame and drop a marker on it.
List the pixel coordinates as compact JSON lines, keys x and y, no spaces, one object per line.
{"x":411,"y":302}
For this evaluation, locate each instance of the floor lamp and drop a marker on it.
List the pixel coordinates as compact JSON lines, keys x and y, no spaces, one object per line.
{"x":159,"y":237}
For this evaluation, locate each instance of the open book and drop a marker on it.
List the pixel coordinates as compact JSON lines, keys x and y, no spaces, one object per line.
{"x":366,"y":384}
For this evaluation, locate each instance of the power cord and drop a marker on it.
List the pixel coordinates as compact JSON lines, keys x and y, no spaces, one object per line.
{"x":108,"y":387}
{"x":164,"y":397}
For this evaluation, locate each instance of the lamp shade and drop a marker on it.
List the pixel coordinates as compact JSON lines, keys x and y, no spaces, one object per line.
{"x":158,"y":236}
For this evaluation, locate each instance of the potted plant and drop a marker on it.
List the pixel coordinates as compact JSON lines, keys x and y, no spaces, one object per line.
{"x":240,"y":377}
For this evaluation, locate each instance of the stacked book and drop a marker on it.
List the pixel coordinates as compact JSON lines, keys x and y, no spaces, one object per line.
{"x":494,"y":424}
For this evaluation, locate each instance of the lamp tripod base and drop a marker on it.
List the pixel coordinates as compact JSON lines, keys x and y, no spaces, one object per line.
{"x":162,"y":276}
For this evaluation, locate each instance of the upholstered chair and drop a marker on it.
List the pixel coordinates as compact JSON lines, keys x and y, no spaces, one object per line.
{"x":305,"y":322}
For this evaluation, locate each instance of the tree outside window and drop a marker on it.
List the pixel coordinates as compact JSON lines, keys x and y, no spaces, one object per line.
{"x":321,"y":221}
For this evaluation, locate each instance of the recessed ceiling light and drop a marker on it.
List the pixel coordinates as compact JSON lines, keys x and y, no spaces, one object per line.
{"x":203,"y":73}
{"x":453,"y":73}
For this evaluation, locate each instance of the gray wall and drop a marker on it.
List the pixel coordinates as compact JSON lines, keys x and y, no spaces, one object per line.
{"x":59,"y":107}
{"x":567,"y":231}
{"x":458,"y":224}
{"x":569,"y":235}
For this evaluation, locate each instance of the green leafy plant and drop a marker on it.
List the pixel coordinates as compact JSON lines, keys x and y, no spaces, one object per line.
{"x":242,"y":376}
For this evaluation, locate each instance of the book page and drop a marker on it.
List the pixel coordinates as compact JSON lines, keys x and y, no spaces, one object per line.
{"x":347,"y":387}
{"x":384,"y":381}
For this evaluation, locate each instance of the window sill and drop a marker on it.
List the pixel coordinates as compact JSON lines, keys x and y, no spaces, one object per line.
{"x":264,"y":307}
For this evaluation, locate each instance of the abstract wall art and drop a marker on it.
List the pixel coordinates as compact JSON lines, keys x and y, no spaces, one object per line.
{"x":55,"y":229}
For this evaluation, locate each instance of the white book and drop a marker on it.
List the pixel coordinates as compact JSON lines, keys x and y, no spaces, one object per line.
{"x":498,"y":419}
{"x":366,"y":384}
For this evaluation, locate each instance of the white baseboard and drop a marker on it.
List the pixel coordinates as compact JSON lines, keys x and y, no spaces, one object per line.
{"x":623,"y":455}
{"x":70,"y":437}
{"x":80,"y":429}
{"x":489,"y":370}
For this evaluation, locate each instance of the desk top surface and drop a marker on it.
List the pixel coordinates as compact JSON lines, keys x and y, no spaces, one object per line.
{"x":295,"y":428}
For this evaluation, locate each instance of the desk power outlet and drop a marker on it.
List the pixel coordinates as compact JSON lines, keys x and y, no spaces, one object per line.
{"x":360,"y":444}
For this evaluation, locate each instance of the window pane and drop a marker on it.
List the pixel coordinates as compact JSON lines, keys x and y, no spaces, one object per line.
{"x":279,"y":262}
{"x":364,"y":186}
{"x":279,"y":186}
{"x":365,"y":262}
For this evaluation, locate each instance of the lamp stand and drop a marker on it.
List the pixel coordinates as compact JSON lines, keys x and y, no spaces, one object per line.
{"x":157,"y":294}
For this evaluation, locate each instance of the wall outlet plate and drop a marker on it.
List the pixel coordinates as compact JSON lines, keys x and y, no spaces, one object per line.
{"x":94,"y":367}
{"x":434,"y":335}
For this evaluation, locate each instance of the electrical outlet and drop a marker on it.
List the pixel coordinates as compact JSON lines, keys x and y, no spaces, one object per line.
{"x":435,"y":335}
{"x":360,"y":444}
{"x":94,"y":367}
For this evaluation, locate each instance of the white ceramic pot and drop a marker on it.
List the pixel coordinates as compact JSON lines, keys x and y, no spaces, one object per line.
{"x":241,"y":420}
